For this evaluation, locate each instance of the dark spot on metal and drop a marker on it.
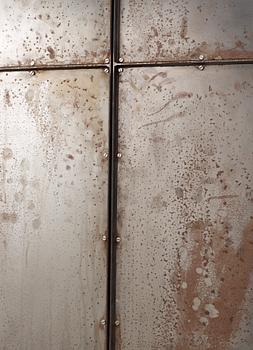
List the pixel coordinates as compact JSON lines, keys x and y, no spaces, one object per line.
{"x":51,"y":52}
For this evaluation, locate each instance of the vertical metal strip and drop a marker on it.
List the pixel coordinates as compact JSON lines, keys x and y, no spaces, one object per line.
{"x":112,"y":183}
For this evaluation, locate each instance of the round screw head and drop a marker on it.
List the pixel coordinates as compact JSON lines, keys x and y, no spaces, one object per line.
{"x":121,"y":59}
{"x":104,"y":237}
{"x":119,"y":155}
{"x":105,"y":155}
{"x":107,"y":60}
{"x":201,"y":57}
{"x":118,"y":239}
{"x":32,"y":72}
{"x":117,"y":323}
{"x":201,"y":67}
{"x":106,"y":70}
{"x":103,"y":322}
{"x":32,"y":63}
{"x":120,"y":70}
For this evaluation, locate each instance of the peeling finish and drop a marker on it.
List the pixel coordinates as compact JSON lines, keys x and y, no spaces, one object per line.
{"x":54,"y":32}
{"x":185,"y":209}
{"x":53,"y":209}
{"x":172,"y":30}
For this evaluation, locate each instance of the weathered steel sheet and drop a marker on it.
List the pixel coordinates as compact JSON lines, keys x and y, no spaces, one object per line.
{"x":53,"y":209}
{"x":185,"y":209}
{"x":54,"y":32}
{"x":160,"y":30}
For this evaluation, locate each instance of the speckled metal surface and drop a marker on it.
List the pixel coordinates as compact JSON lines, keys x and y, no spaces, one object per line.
{"x":54,"y":32}
{"x":159,"y":30}
{"x":53,"y":211}
{"x":185,"y":209}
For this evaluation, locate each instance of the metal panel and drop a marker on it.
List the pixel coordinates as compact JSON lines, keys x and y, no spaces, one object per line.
{"x":185,"y":209}
{"x":174,"y":30}
{"x":54,"y":32}
{"x":53,"y":209}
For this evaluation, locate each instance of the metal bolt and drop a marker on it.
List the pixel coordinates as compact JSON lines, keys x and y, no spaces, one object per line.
{"x":103,"y":322}
{"x":120,"y":70}
{"x":107,"y":60}
{"x":201,"y":67}
{"x":106,"y":70}
{"x":104,"y":237}
{"x":121,"y":59}
{"x":32,"y":72}
{"x":201,"y":57}
{"x":119,"y":155}
{"x":32,"y":63}
{"x":118,"y":239}
{"x":105,"y":155}
{"x":117,"y":323}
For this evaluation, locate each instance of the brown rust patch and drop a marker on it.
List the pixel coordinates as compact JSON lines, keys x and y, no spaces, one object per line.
{"x":233,"y":271}
{"x":69,"y":156}
{"x":219,"y":52}
{"x":51,"y":52}
{"x":184,"y":28}
{"x":8,"y":217}
{"x":7,"y":98}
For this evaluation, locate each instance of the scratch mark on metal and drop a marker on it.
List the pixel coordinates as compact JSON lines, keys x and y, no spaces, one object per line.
{"x":169,"y":119}
{"x":176,"y":97}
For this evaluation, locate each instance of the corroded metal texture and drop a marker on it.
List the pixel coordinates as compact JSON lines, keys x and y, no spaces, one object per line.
{"x":53,"y":209}
{"x":185,"y":209}
{"x":54,"y":32}
{"x":158,"y":30}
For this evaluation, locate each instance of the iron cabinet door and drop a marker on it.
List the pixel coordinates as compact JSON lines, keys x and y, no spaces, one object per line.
{"x":53,"y":209}
{"x":185,"y":208}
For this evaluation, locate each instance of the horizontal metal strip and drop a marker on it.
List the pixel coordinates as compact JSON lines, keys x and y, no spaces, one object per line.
{"x":183,"y":63}
{"x":53,"y":67}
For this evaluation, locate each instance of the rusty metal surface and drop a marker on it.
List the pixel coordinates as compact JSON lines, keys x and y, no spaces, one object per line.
{"x":54,"y":32}
{"x":53,"y":209}
{"x":159,"y":30}
{"x":185,"y":209}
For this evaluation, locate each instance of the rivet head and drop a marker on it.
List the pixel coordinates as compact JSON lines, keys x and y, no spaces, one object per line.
{"x":201,"y":57}
{"x":117,"y":323}
{"x":32,"y":63}
{"x":118,"y":239}
{"x":107,"y":60}
{"x":121,"y":59}
{"x":106,"y":70}
{"x":104,"y":237}
{"x":105,"y":155}
{"x":119,"y":155}
{"x":103,"y":322}
{"x":201,"y":67}
{"x":120,"y":70}
{"x":32,"y":72}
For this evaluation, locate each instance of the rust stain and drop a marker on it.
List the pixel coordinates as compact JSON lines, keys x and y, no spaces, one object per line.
{"x":8,"y":217}
{"x":51,"y":52}
{"x":218,"y":313}
{"x":219,"y":52}
{"x":69,"y":156}
{"x":228,"y":196}
{"x":184,"y":28}
{"x":7,"y":98}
